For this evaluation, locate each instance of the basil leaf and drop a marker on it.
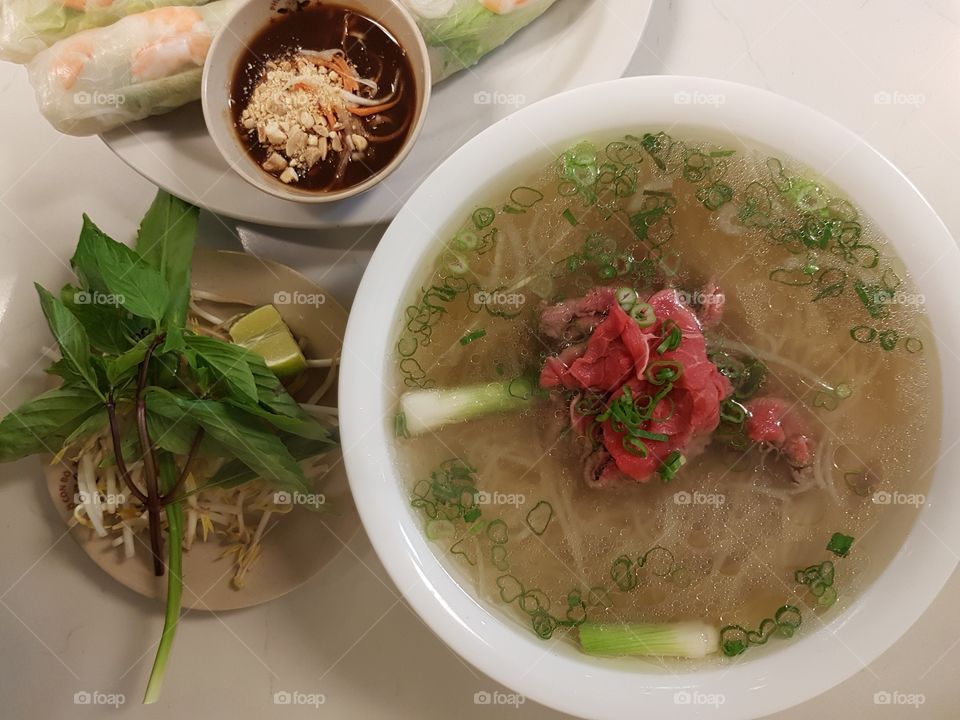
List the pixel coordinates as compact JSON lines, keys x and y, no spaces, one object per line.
{"x":259,"y":450}
{"x":111,"y":267}
{"x":110,"y":329}
{"x":228,"y":361}
{"x":42,"y":424}
{"x":305,"y":426}
{"x":270,"y":391}
{"x":93,"y":424}
{"x":119,"y":368}
{"x":174,"y":341}
{"x":166,"y":240}
{"x":236,"y":473}
{"x":70,"y":335}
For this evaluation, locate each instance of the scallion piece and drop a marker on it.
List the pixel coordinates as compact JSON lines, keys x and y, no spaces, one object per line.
{"x":671,"y":337}
{"x":661,"y":372}
{"x":643,"y":314}
{"x":570,"y":217}
{"x":635,"y":446}
{"x":626,"y":298}
{"x":471,"y":336}
{"x":430,"y":409}
{"x":671,"y":466}
{"x":692,"y":639}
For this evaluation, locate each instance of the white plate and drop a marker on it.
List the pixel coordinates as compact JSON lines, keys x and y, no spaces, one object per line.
{"x":575,"y":43}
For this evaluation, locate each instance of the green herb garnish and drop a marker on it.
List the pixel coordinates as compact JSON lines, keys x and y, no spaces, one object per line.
{"x":840,"y":544}
{"x":671,"y":466}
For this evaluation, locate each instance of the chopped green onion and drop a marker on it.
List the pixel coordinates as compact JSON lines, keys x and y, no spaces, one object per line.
{"x":733,"y":412}
{"x":660,"y":372}
{"x":570,"y":217}
{"x":647,"y":435}
{"x":400,"y":426}
{"x":671,"y":337}
{"x":439,"y":529}
{"x":482,"y":217}
{"x":685,"y":639}
{"x":539,"y":517}
{"x":626,"y":298}
{"x":671,"y":466}
{"x":643,"y":314}
{"x":471,"y":336}
{"x":840,"y":544}
{"x":843,"y":391}
{"x":430,"y":409}
{"x":466,"y":240}
{"x":635,"y":446}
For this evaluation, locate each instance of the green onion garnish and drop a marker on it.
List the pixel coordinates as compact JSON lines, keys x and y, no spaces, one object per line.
{"x":635,"y":446}
{"x":660,"y":372}
{"x":471,"y":336}
{"x":643,"y":314}
{"x":671,"y":338}
{"x":686,"y":639}
{"x":647,"y":435}
{"x":733,"y":412}
{"x":626,"y":298}
{"x":840,"y":544}
{"x":570,"y":217}
{"x":671,"y":465}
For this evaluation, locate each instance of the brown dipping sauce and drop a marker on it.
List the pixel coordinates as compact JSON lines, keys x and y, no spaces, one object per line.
{"x":372,"y":51}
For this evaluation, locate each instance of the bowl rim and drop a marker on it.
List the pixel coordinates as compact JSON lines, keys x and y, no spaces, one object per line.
{"x":222,"y":132}
{"x":751,"y":687}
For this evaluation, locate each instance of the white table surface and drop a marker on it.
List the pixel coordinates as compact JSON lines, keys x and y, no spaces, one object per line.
{"x":66,"y":627}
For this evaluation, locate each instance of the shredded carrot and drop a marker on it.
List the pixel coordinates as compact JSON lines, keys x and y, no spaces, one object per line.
{"x":331,"y":118}
{"x":346,"y":74}
{"x":361,"y":111}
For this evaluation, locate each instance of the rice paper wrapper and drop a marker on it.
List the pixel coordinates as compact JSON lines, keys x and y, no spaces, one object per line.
{"x":459,"y":33}
{"x":142,"y":65}
{"x":28,"y":27}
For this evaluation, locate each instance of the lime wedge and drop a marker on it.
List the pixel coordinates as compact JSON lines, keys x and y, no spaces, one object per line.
{"x":264,"y":332}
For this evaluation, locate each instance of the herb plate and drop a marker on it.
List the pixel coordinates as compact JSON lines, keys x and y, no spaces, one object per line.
{"x":301,"y":543}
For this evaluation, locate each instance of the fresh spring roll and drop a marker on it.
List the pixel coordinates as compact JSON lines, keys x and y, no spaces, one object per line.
{"x":142,"y":65}
{"x":29,"y":26}
{"x":460,"y":32}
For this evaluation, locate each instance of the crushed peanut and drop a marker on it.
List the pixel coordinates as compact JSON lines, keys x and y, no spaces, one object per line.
{"x":296,"y":112}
